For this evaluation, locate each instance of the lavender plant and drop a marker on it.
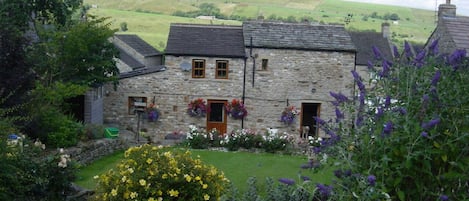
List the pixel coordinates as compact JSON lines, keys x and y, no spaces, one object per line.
{"x":405,"y":134}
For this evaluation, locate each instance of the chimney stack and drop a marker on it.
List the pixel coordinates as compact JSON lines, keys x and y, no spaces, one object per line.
{"x":447,"y":10}
{"x":385,"y":30}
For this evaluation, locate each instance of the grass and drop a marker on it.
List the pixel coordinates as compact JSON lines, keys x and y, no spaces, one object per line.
{"x":237,"y":166}
{"x":150,"y":19}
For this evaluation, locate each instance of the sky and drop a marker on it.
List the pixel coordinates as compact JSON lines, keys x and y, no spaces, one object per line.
{"x":462,"y":6}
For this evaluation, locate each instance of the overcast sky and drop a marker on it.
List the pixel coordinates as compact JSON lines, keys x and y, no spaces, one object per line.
{"x":462,"y":6}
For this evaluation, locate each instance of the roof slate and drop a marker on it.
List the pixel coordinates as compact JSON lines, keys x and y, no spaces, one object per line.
{"x":142,"y":71}
{"x":301,"y":36}
{"x":458,"y":29}
{"x":138,"y":44}
{"x":205,"y":40}
{"x":364,"y":42}
{"x":129,"y":60}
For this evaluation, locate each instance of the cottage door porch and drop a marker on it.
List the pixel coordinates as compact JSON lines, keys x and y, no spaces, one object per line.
{"x":308,"y":122}
{"x":216,"y":116}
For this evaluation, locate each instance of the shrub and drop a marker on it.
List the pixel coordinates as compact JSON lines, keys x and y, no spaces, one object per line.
{"x":411,"y":129}
{"x":151,"y":173}
{"x":273,"y":142}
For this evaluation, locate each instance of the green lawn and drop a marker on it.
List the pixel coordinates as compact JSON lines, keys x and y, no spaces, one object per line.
{"x":237,"y":166}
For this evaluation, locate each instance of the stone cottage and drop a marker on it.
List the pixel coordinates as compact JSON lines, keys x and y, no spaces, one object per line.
{"x":452,"y":31}
{"x":135,"y":53}
{"x":268,"y":65}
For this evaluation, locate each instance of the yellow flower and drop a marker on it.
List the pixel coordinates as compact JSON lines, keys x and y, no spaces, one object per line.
{"x":96,"y":177}
{"x":151,"y":199}
{"x":149,"y":161}
{"x":124,"y":178}
{"x":142,"y":182}
{"x":204,"y":186}
{"x":160,"y":192}
{"x":173,"y":193}
{"x":133,"y":195}
{"x":131,"y":170}
{"x":114,"y":192}
{"x":197,"y":178}
{"x":206,"y":197}
{"x":188,"y":177}
{"x":164,"y":176}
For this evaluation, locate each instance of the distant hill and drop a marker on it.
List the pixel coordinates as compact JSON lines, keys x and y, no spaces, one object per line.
{"x":150,"y":19}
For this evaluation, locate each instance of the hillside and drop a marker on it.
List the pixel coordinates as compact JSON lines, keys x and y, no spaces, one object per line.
{"x":150,"y":19}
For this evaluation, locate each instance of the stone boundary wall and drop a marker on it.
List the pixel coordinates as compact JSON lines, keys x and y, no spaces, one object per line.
{"x":87,"y":152}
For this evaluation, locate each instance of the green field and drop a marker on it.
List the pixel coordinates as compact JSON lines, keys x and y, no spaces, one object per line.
{"x":150,"y":19}
{"x":237,"y":166}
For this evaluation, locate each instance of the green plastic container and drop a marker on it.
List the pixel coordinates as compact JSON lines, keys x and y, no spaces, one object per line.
{"x":111,"y":132}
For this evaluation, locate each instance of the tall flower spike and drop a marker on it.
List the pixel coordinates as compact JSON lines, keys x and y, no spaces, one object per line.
{"x":377,"y":53}
{"x":396,"y":51}
{"x":436,"y":78}
{"x":370,"y":66}
{"x":419,"y":59}
{"x":434,"y":47}
{"x":408,"y":50}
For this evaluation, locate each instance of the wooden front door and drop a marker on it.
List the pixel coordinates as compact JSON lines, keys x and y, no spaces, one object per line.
{"x":309,"y":125}
{"x":216,"y":116}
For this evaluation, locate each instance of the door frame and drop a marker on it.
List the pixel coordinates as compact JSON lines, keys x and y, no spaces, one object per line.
{"x":220,"y":126}
{"x":313,"y":125}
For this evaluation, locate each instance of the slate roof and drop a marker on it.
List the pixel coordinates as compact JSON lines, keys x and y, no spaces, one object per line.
{"x":129,"y":60}
{"x":205,"y":40}
{"x":364,"y":42}
{"x":142,"y":71}
{"x":138,"y":44}
{"x":300,"y":36}
{"x":458,"y":29}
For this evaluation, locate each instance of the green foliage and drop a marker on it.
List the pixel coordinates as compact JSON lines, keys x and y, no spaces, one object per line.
{"x":92,"y":132}
{"x":152,"y":173}
{"x":79,"y":53}
{"x":123,"y":26}
{"x":52,"y":125}
{"x":411,"y":129}
{"x":30,"y":174}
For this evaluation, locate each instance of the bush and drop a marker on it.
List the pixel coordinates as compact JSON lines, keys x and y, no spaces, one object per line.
{"x":151,"y":173}
{"x":411,"y":128}
{"x":58,"y":130}
{"x":28,"y":174}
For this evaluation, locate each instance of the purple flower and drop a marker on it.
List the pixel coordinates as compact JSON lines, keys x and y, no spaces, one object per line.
{"x":425,"y":98}
{"x":339,"y":97}
{"x":287,"y":181}
{"x":408,"y":50}
{"x":434,"y":47}
{"x":348,"y":173}
{"x":386,"y":69}
{"x":376,"y":52}
{"x":436,"y":78}
{"x":395,"y":51}
{"x":387,"y":101}
{"x":444,"y":198}
{"x":320,"y":121}
{"x":317,"y":150}
{"x":419,"y":59}
{"x":358,"y":80}
{"x":424,"y":134}
{"x":430,"y":124}
{"x":456,"y":58}
{"x":371,"y":180}
{"x":359,"y":120}
{"x":339,"y":115}
{"x":400,"y":110}
{"x":370,"y":66}
{"x":361,"y":98}
{"x":305,"y":178}
{"x":387,"y":128}
{"x":324,"y":190}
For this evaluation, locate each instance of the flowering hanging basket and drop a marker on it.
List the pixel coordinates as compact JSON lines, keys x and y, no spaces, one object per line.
{"x":236,"y":109}
{"x":153,"y":114}
{"x":288,"y":115}
{"x":197,"y":108}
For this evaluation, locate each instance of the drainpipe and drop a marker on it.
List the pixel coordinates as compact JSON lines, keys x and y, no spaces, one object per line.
{"x":244,"y":89}
{"x":253,"y":64}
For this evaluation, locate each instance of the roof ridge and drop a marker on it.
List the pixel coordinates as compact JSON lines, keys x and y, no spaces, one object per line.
{"x":207,"y":25}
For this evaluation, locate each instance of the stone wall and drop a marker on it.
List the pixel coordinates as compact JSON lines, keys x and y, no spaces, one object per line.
{"x":87,"y":152}
{"x":293,"y":77}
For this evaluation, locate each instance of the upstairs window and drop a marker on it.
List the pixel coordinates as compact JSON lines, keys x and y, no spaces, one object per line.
{"x":198,"y":68}
{"x":222,"y":70}
{"x":265,"y":64}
